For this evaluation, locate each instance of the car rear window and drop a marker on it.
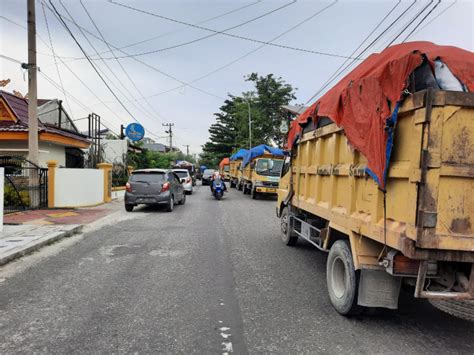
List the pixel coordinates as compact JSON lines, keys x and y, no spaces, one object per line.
{"x":148,"y":177}
{"x":209,"y":171}
{"x":181,"y":174}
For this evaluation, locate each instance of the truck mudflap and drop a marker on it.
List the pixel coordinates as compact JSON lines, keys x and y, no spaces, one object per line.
{"x":422,"y":287}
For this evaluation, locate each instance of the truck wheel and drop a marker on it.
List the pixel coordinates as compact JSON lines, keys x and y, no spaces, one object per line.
{"x":128,"y":207}
{"x":239,"y":187}
{"x":458,"y":308}
{"x":254,"y":193}
{"x":342,"y":279}
{"x":170,"y":205}
{"x":287,"y":235}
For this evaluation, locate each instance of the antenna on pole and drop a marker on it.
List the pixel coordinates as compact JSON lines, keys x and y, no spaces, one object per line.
{"x":187,"y":149}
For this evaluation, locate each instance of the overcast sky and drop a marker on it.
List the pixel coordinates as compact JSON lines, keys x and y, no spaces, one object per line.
{"x":338,"y":30}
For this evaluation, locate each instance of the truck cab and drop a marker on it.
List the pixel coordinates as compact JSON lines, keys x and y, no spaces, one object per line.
{"x":262,"y":176}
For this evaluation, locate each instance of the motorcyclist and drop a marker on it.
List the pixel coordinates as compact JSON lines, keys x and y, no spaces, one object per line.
{"x":217,"y":177}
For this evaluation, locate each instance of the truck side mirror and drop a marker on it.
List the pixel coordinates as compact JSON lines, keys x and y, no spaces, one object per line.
{"x":252,"y":165}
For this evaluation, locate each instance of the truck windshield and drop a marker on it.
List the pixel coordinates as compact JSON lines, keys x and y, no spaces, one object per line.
{"x":269,"y":167}
{"x":226,"y":168}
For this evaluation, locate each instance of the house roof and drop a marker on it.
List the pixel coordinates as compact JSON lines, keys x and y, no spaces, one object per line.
{"x":19,"y":107}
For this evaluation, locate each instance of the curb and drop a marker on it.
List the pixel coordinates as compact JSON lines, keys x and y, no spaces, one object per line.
{"x":39,"y":243}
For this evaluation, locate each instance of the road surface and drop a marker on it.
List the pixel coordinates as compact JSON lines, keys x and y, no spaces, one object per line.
{"x":210,"y":278}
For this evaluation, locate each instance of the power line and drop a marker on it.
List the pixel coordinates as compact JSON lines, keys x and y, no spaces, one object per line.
{"x":434,"y":18}
{"x":370,"y":45}
{"x":422,"y":20}
{"x":92,"y":64}
{"x":216,"y":32}
{"x":106,"y":65}
{"x":10,"y":59}
{"x":138,"y":60}
{"x":118,"y":61}
{"x":409,"y":23}
{"x":182,"y":29}
{"x":250,"y":52}
{"x":54,"y":57}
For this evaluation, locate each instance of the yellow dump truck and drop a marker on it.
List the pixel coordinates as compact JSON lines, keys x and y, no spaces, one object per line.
{"x":261,"y":168}
{"x":420,"y":232}
{"x":235,"y":170}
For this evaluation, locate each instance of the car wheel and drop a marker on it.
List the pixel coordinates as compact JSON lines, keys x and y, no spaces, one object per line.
{"x":287,"y":235}
{"x":170,"y":205}
{"x":183,"y":200}
{"x":128,"y":207}
{"x":342,"y":279}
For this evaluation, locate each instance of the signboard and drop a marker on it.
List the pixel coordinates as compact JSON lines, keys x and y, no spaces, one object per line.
{"x":135,"y":132}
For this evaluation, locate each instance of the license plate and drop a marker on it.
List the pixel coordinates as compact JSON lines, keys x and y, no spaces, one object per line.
{"x":146,"y":200}
{"x":271,"y":190}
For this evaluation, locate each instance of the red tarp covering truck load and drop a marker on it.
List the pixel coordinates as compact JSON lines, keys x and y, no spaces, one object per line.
{"x":365,"y":102}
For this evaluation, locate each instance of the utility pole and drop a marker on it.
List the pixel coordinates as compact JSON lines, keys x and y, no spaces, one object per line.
{"x":170,"y":133}
{"x":250,"y":123}
{"x":187,"y":149}
{"x":32,"y":85}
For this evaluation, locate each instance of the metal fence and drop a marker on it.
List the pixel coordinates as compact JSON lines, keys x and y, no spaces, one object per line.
{"x":25,"y":185}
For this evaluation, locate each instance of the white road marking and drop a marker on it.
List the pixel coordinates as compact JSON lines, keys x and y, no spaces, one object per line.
{"x":223,"y":329}
{"x":227,"y":347}
{"x":224,"y":335}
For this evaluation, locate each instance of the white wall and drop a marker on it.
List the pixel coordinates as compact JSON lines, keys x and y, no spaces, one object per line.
{"x":78,"y":187}
{"x":47,"y":151}
{"x":118,"y":194}
{"x":114,"y":150}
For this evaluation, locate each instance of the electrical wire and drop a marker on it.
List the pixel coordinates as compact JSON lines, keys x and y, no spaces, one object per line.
{"x":422,"y":20}
{"x":10,"y":59}
{"x":409,"y":23}
{"x":55,"y":59}
{"x":64,"y":18}
{"x":92,"y":64}
{"x":139,"y":108}
{"x":434,"y":18}
{"x":248,"y":53}
{"x":370,"y":45}
{"x":216,"y":32}
{"x":118,"y":62}
{"x":182,"y":29}
{"x":337,"y":72}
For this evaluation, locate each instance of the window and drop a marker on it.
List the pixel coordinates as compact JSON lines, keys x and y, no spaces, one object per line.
{"x":147,"y":177}
{"x":182,"y":174}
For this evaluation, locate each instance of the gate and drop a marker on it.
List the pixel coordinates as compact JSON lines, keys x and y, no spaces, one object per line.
{"x":25,"y":185}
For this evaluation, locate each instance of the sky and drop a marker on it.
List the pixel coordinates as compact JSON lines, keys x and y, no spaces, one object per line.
{"x":153,"y":87}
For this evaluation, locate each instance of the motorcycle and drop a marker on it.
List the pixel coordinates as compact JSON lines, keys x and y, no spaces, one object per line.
{"x":218,"y":189}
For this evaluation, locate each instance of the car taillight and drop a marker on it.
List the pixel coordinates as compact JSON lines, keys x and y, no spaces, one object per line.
{"x":165,"y":187}
{"x":128,"y":187}
{"x":188,"y":180}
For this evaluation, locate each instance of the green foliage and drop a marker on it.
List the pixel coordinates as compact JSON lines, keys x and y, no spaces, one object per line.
{"x":149,"y":159}
{"x":13,"y":198}
{"x":231,"y":130}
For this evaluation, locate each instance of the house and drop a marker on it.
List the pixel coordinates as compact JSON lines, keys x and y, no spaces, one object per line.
{"x":59,"y":138}
{"x":156,"y":147}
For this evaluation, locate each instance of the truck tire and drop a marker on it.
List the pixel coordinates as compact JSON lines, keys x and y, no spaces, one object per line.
{"x":342,"y":279}
{"x":456,"y":308}
{"x":239,"y":187}
{"x":128,"y":207}
{"x":287,"y":235}
{"x":254,"y":194}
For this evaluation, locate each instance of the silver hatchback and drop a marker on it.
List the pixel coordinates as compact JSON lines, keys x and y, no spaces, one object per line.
{"x":154,"y":186}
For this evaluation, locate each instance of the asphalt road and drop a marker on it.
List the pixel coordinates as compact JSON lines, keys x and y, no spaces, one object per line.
{"x":210,"y":278}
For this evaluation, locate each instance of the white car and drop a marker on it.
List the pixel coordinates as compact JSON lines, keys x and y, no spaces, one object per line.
{"x":186,"y":179}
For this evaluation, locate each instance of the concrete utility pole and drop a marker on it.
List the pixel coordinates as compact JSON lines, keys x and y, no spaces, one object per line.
{"x":187,"y":149}
{"x":250,"y":124}
{"x":32,"y":85}
{"x":170,"y":133}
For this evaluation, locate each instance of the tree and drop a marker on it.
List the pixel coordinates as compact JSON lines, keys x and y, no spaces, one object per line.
{"x":231,"y":129}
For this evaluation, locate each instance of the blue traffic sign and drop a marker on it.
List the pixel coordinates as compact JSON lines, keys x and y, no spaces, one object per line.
{"x":135,"y":132}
